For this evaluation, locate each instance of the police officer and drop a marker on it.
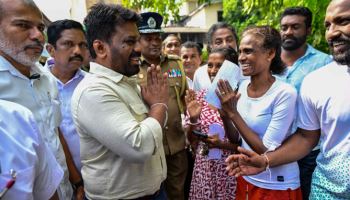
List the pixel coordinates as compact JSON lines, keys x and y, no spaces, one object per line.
{"x":173,"y":134}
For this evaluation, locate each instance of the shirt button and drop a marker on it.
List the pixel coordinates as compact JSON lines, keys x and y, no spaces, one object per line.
{"x":177,"y":83}
{"x":166,"y":128}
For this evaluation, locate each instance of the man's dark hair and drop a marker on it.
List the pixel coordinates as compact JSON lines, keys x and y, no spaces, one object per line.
{"x":271,"y":39}
{"x":302,"y":11}
{"x":217,"y":26}
{"x":102,"y":20}
{"x":55,"y":29}
{"x":190,"y":44}
{"x":229,"y":54}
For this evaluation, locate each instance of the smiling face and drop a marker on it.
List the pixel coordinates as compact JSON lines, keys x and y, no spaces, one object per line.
{"x":124,"y":49}
{"x":253,"y":58}
{"x":172,"y":46}
{"x":215,"y":61}
{"x":337,"y":23}
{"x":191,"y":60}
{"x":151,"y":44}
{"x":21,"y":33}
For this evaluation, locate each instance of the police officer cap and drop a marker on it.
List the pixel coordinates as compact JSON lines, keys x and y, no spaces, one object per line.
{"x":151,"y":23}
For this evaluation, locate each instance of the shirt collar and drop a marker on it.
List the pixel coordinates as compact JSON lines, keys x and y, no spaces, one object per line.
{"x":309,"y":50}
{"x":100,"y":70}
{"x":143,"y":60}
{"x":5,"y":65}
{"x":78,"y":74}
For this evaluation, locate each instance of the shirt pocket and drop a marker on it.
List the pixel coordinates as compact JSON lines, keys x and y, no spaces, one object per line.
{"x":52,"y":111}
{"x":139,"y":111}
{"x":23,"y":187}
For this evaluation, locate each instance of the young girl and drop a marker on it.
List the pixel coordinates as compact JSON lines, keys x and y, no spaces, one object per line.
{"x":210,"y":179}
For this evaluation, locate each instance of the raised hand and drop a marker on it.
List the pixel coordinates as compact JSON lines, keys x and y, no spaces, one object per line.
{"x":228,"y":98}
{"x":156,"y":90}
{"x":194,"y":108}
{"x":245,"y":163}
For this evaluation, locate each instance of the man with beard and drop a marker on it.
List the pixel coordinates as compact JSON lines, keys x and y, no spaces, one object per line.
{"x":25,"y":82}
{"x":173,"y":134}
{"x":220,"y":35}
{"x":67,"y":46}
{"x":119,"y":127}
{"x":323,"y":116}
{"x":301,"y":59}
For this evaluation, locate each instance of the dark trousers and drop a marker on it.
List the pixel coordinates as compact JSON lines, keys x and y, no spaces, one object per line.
{"x":177,"y":171}
{"x":306,"y":167}
{"x":189,"y":173}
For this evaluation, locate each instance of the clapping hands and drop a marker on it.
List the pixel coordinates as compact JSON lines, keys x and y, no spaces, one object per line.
{"x":194,"y":108}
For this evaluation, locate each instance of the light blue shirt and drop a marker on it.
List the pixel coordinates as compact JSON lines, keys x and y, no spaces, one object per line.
{"x":23,"y":150}
{"x":65,"y":92}
{"x":295,"y":74}
{"x":40,"y":96}
{"x":312,"y":60}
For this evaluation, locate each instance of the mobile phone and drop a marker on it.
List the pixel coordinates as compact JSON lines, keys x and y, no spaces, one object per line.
{"x":199,"y":134}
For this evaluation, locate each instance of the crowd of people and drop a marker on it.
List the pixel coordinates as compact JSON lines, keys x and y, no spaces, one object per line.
{"x":117,"y":112}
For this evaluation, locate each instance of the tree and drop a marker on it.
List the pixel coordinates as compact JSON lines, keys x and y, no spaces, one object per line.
{"x":167,"y":8}
{"x":242,"y":13}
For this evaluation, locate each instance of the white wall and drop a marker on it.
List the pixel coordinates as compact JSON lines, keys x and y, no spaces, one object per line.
{"x":205,"y":17}
{"x":63,"y":9}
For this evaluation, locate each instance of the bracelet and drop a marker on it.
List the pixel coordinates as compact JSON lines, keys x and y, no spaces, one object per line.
{"x":166,"y":111}
{"x":162,"y":104}
{"x":267,"y":168}
{"x":198,"y":122}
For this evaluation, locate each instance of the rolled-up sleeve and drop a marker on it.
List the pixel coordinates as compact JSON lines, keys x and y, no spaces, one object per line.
{"x":124,"y":130}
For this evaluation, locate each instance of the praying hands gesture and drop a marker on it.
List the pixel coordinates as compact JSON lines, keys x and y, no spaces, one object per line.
{"x":156,"y":94}
{"x":156,"y":89}
{"x":228,"y":98}
{"x":194,"y":108}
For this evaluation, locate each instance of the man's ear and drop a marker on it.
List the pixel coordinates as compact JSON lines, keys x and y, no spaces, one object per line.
{"x":101,"y":49}
{"x":50,"y":49}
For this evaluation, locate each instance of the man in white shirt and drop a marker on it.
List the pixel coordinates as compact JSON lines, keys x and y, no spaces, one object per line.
{"x":220,"y":35}
{"x":25,"y":82}
{"x":25,"y":158}
{"x":191,"y":54}
{"x":323,"y":116}
{"x":68,"y":47}
{"x":120,"y":128}
{"x":301,"y":59}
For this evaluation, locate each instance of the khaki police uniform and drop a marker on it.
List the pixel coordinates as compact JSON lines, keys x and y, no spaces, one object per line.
{"x":173,"y":133}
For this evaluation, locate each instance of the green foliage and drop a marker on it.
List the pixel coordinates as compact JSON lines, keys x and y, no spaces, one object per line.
{"x":242,"y":13}
{"x":167,"y":8}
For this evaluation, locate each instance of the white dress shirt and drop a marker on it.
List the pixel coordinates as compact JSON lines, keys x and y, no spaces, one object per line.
{"x":121,"y":148}
{"x":65,"y":92}
{"x":201,"y":79}
{"x":22,"y":149}
{"x":40,"y":96}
